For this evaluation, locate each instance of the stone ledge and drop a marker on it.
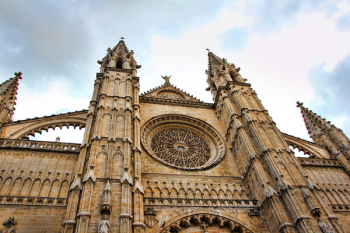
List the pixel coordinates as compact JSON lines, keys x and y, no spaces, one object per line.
{"x":182,"y":202}
{"x":33,"y":201}
{"x":39,"y":145}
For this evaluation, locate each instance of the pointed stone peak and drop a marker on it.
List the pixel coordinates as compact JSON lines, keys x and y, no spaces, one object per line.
{"x":10,"y":85}
{"x":119,"y":53}
{"x":313,"y":122}
{"x":216,"y":63}
{"x":8,"y":97}
{"x":121,"y":46}
{"x":169,"y":91}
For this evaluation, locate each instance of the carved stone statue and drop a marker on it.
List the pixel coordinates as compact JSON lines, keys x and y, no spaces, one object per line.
{"x":326,"y":228}
{"x":103,"y":226}
{"x":166,"y":78}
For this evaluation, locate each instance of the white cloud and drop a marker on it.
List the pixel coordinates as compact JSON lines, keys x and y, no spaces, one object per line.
{"x":55,"y":99}
{"x":277,"y":64}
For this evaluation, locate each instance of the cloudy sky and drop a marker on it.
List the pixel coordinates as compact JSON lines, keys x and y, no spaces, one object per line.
{"x":288,"y":50}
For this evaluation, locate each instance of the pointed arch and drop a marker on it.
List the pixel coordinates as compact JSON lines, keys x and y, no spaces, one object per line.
{"x":182,"y":193}
{"x":148,"y":192}
{"x":45,"y":188}
{"x":206,"y":194}
{"x":221,"y":194}
{"x":6,"y":185}
{"x":25,"y":187}
{"x":101,"y":164}
{"x":213,"y":194}
{"x":165,"y":193}
{"x":198,"y":194}
{"x":119,"y":64}
{"x":106,"y":124}
{"x":64,"y":189}
{"x":184,"y":221}
{"x":156,"y":192}
{"x":173,"y":193}
{"x":34,"y":191}
{"x":16,"y":187}
{"x":190,"y":194}
{"x":55,"y":187}
{"x":229,"y":194}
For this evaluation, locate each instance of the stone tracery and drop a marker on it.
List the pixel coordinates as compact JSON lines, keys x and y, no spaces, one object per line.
{"x":170,"y":132}
{"x":181,"y":147}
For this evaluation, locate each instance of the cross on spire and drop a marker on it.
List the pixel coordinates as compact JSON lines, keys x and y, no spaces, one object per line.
{"x":122,"y":38}
{"x":207,"y":49}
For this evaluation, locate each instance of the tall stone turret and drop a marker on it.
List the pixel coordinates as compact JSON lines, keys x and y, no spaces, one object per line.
{"x":268,"y":167}
{"x":110,"y":153}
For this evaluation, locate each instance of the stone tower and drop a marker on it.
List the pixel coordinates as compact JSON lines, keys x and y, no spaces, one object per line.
{"x":164,"y":161}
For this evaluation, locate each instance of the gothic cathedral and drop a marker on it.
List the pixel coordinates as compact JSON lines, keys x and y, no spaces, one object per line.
{"x":164,"y":161}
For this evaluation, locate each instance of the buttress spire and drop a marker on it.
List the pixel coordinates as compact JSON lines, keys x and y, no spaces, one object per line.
{"x":313,"y":122}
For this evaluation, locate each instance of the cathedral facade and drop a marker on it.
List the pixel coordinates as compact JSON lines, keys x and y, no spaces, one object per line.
{"x":164,"y":161}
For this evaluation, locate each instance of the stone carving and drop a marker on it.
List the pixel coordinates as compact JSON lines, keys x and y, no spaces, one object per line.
{"x":150,"y":217}
{"x":10,"y":222}
{"x":169,"y":96}
{"x":103,"y":226}
{"x":181,"y":147}
{"x":326,"y":228}
{"x":166,"y":78}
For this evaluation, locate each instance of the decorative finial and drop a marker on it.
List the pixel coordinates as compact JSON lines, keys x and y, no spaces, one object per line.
{"x":166,"y":78}
{"x":19,"y":75}
{"x":299,"y":104}
{"x":122,"y":38}
{"x":208,"y":50}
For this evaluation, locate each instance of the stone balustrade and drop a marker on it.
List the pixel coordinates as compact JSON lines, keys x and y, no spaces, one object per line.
{"x":150,"y":201}
{"x":39,"y":145}
{"x":319,"y":162}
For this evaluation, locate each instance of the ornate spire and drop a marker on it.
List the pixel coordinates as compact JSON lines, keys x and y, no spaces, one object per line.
{"x":119,"y":57}
{"x":8,"y":97}
{"x":313,"y":122}
{"x":318,"y":126}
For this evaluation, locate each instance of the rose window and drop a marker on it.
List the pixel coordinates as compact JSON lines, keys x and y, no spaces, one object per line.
{"x":182,"y":142}
{"x":180,"y":147}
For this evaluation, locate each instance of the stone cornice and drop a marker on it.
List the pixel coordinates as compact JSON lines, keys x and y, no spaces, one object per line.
{"x":144,"y":99}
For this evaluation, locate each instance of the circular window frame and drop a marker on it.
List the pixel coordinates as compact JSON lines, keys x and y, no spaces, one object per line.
{"x":156,"y":124}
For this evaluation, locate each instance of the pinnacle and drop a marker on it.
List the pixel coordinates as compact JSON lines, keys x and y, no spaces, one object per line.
{"x":312,"y":120}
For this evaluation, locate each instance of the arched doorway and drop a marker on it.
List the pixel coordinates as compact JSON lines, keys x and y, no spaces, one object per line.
{"x":205,"y":223}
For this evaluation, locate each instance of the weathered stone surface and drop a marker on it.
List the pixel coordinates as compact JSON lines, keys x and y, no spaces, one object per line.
{"x":164,"y":161}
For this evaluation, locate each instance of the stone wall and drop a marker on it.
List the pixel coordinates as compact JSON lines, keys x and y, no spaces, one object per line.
{"x":38,"y":219}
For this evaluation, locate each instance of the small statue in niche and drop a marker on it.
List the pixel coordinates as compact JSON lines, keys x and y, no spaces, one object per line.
{"x":103,"y":226}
